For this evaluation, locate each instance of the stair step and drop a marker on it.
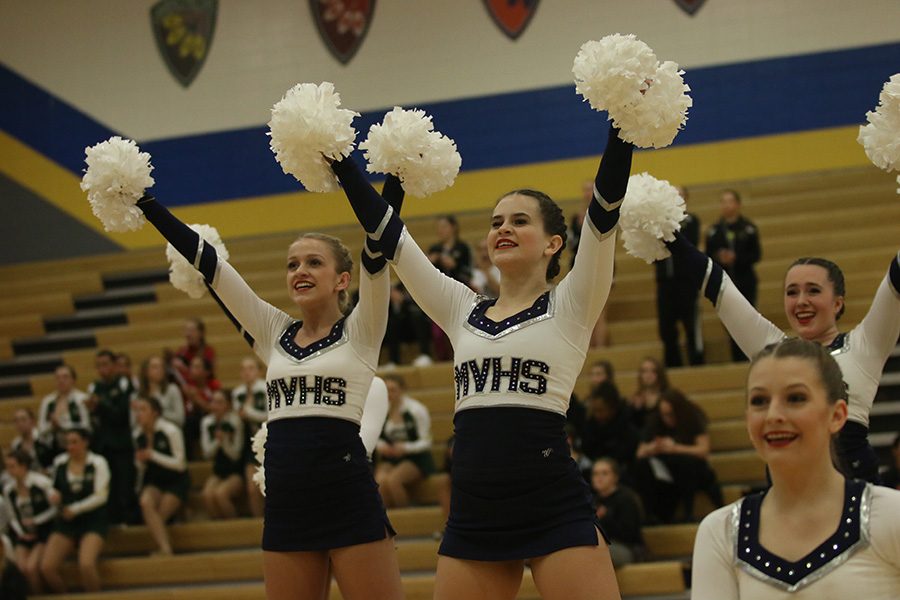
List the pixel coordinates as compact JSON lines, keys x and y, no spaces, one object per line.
{"x":30,"y":365}
{"x":55,"y":342}
{"x":13,"y":387}
{"x":86,"y":319}
{"x":134,"y":279}
{"x":116,"y":297}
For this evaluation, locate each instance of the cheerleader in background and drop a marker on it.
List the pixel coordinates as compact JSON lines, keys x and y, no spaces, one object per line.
{"x":155,"y":383}
{"x":62,"y":410}
{"x":222,"y":439}
{"x":815,"y":534}
{"x":517,"y":495}
{"x":322,"y":505}
{"x":28,"y":497}
{"x":250,"y":401}
{"x":81,"y":491}
{"x":813,"y":303}
{"x":163,"y":480}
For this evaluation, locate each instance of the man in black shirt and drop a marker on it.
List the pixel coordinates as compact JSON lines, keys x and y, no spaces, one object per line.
{"x":733,"y":243}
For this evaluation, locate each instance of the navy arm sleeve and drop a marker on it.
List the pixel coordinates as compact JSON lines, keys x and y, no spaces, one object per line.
{"x":611,"y":183}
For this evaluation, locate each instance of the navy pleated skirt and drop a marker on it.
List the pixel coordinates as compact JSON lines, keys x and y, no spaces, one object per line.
{"x":516,"y":492}
{"x":320,"y":493}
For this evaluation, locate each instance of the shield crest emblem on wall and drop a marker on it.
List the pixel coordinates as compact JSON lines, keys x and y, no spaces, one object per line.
{"x":690,"y":6}
{"x":343,"y":24}
{"x":184,"y":30}
{"x":511,"y":16}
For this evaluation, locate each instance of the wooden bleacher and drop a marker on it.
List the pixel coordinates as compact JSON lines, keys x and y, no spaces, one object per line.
{"x":219,"y":559}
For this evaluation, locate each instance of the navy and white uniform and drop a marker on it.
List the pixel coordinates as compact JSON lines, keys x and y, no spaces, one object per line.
{"x":861,"y":559}
{"x":34,"y":505}
{"x":85,"y":494}
{"x":412,"y":433}
{"x":166,"y":469}
{"x":861,"y":352}
{"x":320,"y":493}
{"x":516,"y":492}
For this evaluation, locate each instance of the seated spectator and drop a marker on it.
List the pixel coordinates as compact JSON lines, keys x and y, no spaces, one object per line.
{"x":251,"y":402}
{"x":13,"y":585}
{"x":672,"y":460}
{"x":601,"y":371}
{"x":155,"y":383}
{"x":110,"y":405}
{"x":163,"y":479}
{"x":61,"y":410}
{"x":608,"y":430}
{"x":198,"y":391}
{"x":453,"y":258}
{"x":194,"y":345}
{"x":28,"y":497}
{"x":891,"y":477}
{"x":584,"y":463}
{"x":81,"y":490}
{"x":222,"y":440}
{"x":485,"y":275}
{"x":652,"y":383}
{"x":125,"y":369}
{"x":28,"y":440}
{"x":404,"y":450}
{"x":406,"y":324}
{"x":619,"y":512}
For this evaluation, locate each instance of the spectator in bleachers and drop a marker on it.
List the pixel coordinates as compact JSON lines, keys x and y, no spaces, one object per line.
{"x":28,"y":439}
{"x":576,"y":414}
{"x":163,"y":479}
{"x":733,"y":243}
{"x":406,"y":323}
{"x":198,"y":391}
{"x":61,"y":410}
{"x":126,"y":369}
{"x":608,"y":430}
{"x":155,"y":383}
{"x":581,"y":460}
{"x":13,"y":585}
{"x":652,"y":383}
{"x":110,"y":403}
{"x":601,"y":371}
{"x":891,"y":477}
{"x":485,"y":275}
{"x":676,"y":301}
{"x":251,"y":402}
{"x":222,"y":440}
{"x":453,"y":258}
{"x":81,"y":482}
{"x":619,"y":511}
{"x":28,"y":497}
{"x":673,"y":461}
{"x":404,"y":450}
{"x":194,"y":345}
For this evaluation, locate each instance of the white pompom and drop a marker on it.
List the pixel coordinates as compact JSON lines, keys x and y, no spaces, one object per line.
{"x":881,"y":136}
{"x":182,"y":274}
{"x":259,"y":443}
{"x":115,"y":179}
{"x":307,"y":125}
{"x":405,"y":145}
{"x":647,"y":100}
{"x":259,"y":478}
{"x":651,"y":212}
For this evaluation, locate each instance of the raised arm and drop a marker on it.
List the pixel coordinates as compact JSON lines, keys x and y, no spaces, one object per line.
{"x":586,"y":287}
{"x":252,"y":315}
{"x":750,"y":330}
{"x":436,"y":294}
{"x":880,"y":328}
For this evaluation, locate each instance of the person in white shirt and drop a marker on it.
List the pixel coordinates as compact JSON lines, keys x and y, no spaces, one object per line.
{"x":815,"y":534}
{"x":62,"y":409}
{"x":155,"y":383}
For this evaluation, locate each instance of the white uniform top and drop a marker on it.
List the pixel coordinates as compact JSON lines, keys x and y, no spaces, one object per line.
{"x":530,"y":359}
{"x":397,"y":433}
{"x":20,"y":505}
{"x":329,"y":378}
{"x":244,"y":396}
{"x":176,"y":461}
{"x":232,"y":446}
{"x":100,"y":483}
{"x":860,"y":353}
{"x":867,"y":569}
{"x":76,"y":395}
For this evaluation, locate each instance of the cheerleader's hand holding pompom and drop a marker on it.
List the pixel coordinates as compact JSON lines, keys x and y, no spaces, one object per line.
{"x":115,"y":179}
{"x":881,"y":136}
{"x":647,"y":100}
{"x":651,"y":214}
{"x":182,"y":274}
{"x":307,"y":127}
{"x":406,"y":145}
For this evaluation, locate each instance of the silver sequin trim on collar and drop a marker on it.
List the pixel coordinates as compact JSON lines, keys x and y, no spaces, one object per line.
{"x":551,"y":305}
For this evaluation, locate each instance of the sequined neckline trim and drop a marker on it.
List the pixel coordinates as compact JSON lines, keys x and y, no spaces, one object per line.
{"x":480,"y":324}
{"x":840,"y":344}
{"x":851,"y":535}
{"x":333,"y":340}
